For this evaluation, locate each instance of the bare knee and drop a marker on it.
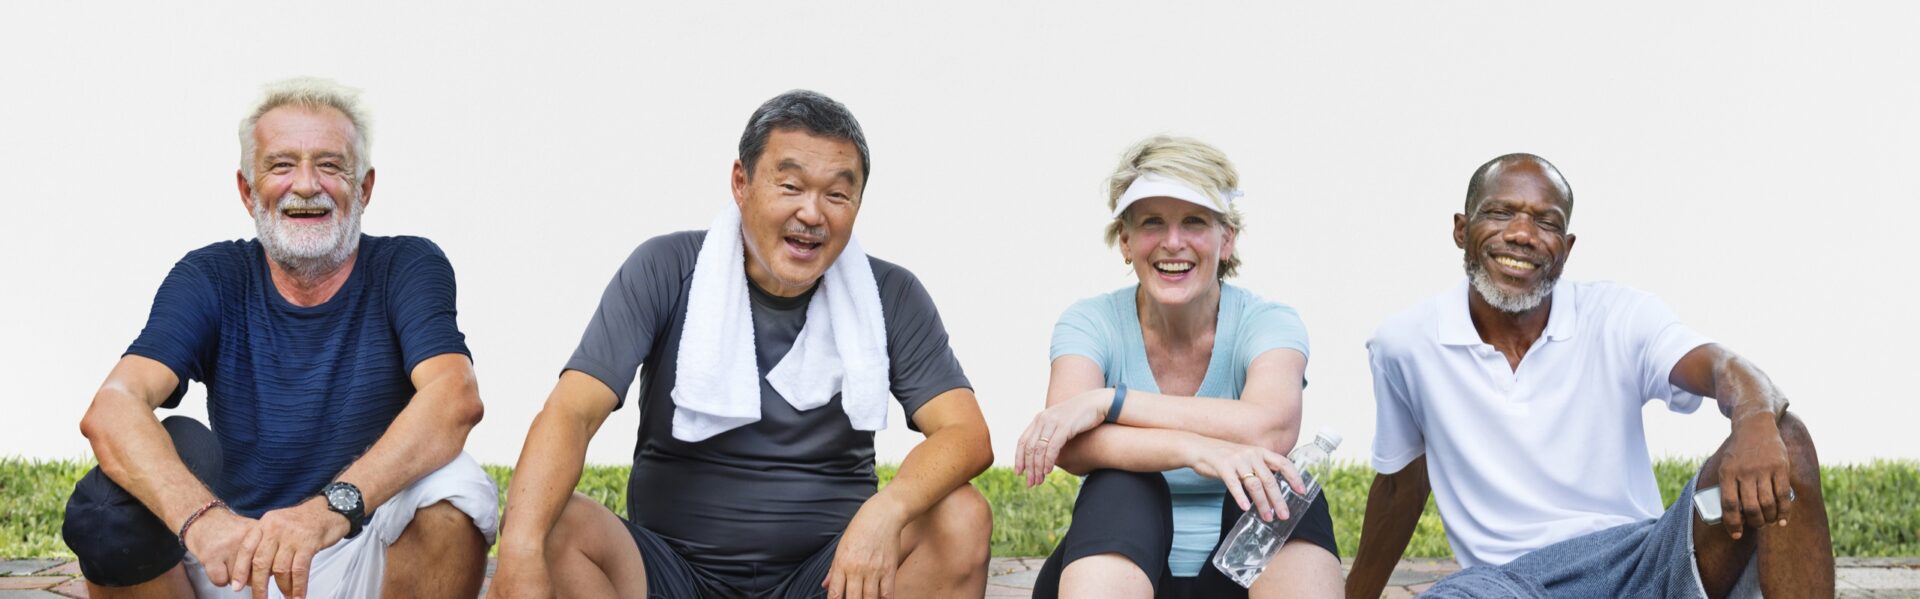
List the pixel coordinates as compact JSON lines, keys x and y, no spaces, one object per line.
{"x":1800,"y":450}
{"x":442,"y":520}
{"x":962,"y":531}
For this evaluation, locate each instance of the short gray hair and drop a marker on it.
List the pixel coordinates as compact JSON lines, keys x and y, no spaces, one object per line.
{"x":806,"y":110}
{"x":310,"y":92}
{"x":1184,"y":159}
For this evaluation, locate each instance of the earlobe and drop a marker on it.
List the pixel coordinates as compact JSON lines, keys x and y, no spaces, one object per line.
{"x":1460,"y":231}
{"x":739,"y":180}
{"x":246,"y":190}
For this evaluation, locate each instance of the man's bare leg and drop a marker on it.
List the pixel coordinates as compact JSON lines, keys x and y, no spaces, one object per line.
{"x":946,"y":548}
{"x":173,"y":584}
{"x":591,"y":554}
{"x":1795,"y":560}
{"x":440,"y":554}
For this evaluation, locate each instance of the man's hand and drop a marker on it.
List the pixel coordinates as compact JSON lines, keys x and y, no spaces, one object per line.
{"x":868,"y":554}
{"x":217,"y":539}
{"x":1039,"y":447}
{"x":284,"y":544}
{"x":521,"y":576}
{"x":1754,"y":485}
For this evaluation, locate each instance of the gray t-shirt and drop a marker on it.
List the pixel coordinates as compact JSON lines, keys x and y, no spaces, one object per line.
{"x":769,"y":493}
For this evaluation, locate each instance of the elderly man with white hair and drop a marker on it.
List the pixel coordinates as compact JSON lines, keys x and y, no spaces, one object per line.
{"x":339,"y":388}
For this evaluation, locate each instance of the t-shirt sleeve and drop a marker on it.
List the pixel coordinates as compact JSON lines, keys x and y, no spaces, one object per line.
{"x":1659,"y":340}
{"x":423,"y":300}
{"x":919,"y":355}
{"x":1081,"y":331}
{"x":636,"y":305}
{"x":1270,"y":326}
{"x":182,"y":327}
{"x":1397,"y":439}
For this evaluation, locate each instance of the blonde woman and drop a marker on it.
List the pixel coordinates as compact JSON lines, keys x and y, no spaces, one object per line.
{"x":1177,"y":398}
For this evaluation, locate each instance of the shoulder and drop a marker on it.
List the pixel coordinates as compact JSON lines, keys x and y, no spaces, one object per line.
{"x":1256,"y":310}
{"x":672,"y":251}
{"x":400,"y":249}
{"x":1599,"y":297}
{"x":890,"y":277}
{"x":1413,"y":327}
{"x":230,"y":261}
{"x":1105,"y":308}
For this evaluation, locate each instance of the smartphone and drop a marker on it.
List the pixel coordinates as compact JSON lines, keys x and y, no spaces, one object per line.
{"x":1707,"y":504}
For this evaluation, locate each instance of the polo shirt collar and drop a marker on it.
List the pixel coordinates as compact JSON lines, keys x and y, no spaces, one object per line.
{"x":1456,"y":322}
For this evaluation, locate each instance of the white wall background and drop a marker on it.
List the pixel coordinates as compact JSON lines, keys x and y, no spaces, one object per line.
{"x":1752,"y":163}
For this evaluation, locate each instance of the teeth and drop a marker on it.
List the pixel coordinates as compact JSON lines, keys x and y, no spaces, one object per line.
{"x":1510,"y":262}
{"x":1174,"y":266}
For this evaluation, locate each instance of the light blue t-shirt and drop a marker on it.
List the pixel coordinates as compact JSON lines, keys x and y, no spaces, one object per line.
{"x":1106,"y":329}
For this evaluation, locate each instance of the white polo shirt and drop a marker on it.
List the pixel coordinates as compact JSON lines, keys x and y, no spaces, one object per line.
{"x":1522,"y":459}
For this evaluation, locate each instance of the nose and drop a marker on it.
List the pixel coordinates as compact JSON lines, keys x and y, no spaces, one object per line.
{"x":1521,"y":230}
{"x":810,"y":213}
{"x":306,"y":180}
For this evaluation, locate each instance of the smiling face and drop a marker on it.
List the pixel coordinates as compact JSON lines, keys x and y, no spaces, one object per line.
{"x":1176,"y":248}
{"x":797,"y":208}
{"x":1516,"y":241}
{"x":305,"y":197}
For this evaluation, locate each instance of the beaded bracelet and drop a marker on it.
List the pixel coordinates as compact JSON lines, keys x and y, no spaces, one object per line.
{"x":216,"y":503}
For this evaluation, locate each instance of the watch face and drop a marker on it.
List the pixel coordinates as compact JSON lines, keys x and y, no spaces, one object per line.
{"x":340,"y":498}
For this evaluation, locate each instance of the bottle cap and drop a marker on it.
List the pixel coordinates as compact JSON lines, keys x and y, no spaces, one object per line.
{"x":1333,"y":438}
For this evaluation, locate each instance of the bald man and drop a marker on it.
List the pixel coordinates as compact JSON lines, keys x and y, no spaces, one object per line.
{"x":1515,"y":399}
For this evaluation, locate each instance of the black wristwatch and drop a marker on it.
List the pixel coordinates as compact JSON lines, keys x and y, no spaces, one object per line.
{"x":344,"y":499}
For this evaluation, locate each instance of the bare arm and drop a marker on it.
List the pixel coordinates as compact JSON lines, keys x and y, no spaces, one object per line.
{"x":1393,"y":510}
{"x":133,"y":449}
{"x":1754,"y":468}
{"x":427,"y":434}
{"x":956,"y":449}
{"x":550,"y":463}
{"x":1266,"y":415}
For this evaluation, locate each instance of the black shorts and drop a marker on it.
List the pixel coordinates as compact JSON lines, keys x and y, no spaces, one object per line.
{"x":671,"y":576}
{"x":1131,"y":513}
{"x":117,"y":540}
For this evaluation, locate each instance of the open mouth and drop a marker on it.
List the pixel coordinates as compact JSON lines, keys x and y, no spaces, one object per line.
{"x":803,"y":245}
{"x":1513,"y":266}
{"x":306,"y":214}
{"x":1173,"y":267}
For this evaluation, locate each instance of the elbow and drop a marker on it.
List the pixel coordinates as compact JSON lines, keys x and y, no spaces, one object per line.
{"x":982,"y":451}
{"x":467,"y":409}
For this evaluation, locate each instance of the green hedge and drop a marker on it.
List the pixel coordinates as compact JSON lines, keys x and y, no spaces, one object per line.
{"x":1870,"y":505}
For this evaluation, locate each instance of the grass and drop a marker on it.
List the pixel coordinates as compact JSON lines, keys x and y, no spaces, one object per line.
{"x":1870,"y":506}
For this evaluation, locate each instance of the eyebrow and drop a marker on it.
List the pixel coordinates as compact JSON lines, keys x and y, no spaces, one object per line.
{"x":295,"y":154}
{"x":1503,"y":202}
{"x":789,"y":164}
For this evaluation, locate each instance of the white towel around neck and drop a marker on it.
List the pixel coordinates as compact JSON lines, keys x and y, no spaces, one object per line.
{"x":842,"y":348}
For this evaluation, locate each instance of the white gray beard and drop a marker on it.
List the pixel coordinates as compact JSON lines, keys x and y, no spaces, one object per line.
{"x":307,"y":251}
{"x":1500,"y":299}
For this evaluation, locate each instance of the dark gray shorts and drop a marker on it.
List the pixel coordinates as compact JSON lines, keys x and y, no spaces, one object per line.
{"x":671,"y":576}
{"x":1651,"y":558}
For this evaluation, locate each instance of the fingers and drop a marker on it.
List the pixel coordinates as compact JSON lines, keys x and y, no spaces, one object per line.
{"x":1769,"y":512}
{"x":1230,"y":478}
{"x":1286,"y":468}
{"x":1750,"y":514}
{"x":1783,"y":490}
{"x":241,"y":569}
{"x":283,"y":569}
{"x":886,"y":582}
{"x":1270,"y":487}
{"x":1036,"y":452}
{"x":261,"y":565}
{"x":302,"y":561}
{"x":1056,"y":441}
{"x":836,"y":582}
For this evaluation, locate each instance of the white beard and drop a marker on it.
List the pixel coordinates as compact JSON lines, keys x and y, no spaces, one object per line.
{"x":1499,"y":298}
{"x":308,"y":249}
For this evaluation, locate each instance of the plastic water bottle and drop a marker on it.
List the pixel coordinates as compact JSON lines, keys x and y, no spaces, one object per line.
{"x":1247,"y":549}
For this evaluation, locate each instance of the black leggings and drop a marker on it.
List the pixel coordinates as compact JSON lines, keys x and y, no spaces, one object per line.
{"x":1131,"y":513}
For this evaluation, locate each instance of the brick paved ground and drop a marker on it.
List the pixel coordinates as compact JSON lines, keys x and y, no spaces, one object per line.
{"x":1013,"y":577}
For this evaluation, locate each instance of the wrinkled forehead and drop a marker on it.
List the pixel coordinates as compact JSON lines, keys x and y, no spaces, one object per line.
{"x":298,"y":127}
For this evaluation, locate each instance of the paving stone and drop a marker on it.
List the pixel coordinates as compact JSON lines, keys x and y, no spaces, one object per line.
{"x":1881,"y":578}
{"x":14,"y":594}
{"x":66,"y":568}
{"x":29,"y":582}
{"x":994,"y":590}
{"x":73,"y":588}
{"x":22,"y":567}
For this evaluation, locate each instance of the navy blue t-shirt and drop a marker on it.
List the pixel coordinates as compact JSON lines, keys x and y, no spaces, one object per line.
{"x":296,"y":394}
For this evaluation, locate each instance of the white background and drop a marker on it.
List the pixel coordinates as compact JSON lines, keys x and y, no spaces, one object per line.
{"x":1751,"y":163}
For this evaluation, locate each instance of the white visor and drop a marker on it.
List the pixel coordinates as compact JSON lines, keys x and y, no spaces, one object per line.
{"x":1150,"y":185}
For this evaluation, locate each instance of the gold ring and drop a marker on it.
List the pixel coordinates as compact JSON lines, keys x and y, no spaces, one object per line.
{"x":1044,"y":440}
{"x":1248,"y":475}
